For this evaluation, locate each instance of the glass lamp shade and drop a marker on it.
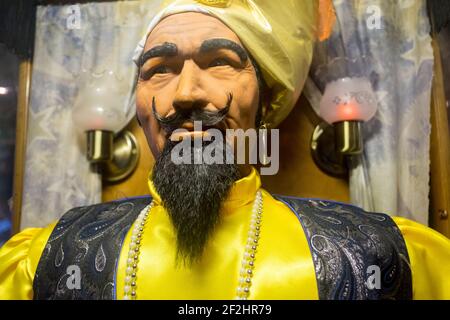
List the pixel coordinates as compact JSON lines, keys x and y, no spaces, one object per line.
{"x":348,"y":99}
{"x":100,"y":104}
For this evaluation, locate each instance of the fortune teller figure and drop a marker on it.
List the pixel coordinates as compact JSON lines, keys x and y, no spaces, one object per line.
{"x":209,"y":230}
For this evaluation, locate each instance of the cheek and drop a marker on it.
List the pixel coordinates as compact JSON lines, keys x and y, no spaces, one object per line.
{"x":142,"y":105}
{"x":163,"y":98}
{"x":246,"y":97}
{"x":154,"y":134}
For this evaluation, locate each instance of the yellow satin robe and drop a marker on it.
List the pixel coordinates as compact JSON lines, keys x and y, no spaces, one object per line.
{"x":283,"y":267}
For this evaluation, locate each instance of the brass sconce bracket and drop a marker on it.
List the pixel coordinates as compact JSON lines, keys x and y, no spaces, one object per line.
{"x":125,"y":158}
{"x":332,"y":144}
{"x":116,"y":156}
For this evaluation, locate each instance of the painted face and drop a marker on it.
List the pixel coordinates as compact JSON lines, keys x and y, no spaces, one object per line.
{"x":194,"y":61}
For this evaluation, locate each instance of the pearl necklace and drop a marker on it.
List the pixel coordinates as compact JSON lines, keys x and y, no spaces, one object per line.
{"x":247,"y":264}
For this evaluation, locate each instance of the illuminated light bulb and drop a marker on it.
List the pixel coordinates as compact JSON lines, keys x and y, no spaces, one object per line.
{"x":348,"y":99}
{"x":346,"y":103}
{"x":100,"y":104}
{"x":99,"y":110}
{"x":4,"y":90}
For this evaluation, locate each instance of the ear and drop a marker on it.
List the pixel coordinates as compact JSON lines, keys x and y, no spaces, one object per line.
{"x":266,"y":99}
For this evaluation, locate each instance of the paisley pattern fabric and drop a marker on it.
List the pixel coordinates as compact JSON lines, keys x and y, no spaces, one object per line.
{"x":344,"y":240}
{"x":88,"y":237}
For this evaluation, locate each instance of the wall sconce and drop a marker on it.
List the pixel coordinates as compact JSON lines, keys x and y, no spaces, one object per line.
{"x":348,"y":101}
{"x":99,"y":113}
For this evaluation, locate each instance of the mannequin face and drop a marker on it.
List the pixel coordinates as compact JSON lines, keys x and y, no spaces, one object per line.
{"x":194,"y":61}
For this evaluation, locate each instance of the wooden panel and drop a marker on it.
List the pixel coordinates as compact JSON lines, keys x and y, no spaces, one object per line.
{"x":298,"y":174}
{"x":136,"y":184}
{"x":21,"y":141}
{"x":440,"y":152}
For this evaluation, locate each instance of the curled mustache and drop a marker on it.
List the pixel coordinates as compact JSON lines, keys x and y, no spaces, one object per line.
{"x":176,"y":120}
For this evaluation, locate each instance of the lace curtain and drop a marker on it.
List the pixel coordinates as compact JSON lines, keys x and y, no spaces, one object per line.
{"x":392,"y":175}
{"x":70,"y":39}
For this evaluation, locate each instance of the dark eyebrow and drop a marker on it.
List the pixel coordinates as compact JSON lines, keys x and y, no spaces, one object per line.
{"x":216,"y":44}
{"x":167,"y":49}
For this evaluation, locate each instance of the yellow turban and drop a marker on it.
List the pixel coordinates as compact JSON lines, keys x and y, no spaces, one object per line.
{"x":279,"y":35}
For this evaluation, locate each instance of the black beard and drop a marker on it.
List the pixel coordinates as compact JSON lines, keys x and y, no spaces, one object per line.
{"x":192,"y":195}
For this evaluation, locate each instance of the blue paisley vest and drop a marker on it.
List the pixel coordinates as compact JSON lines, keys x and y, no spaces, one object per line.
{"x":344,"y":241}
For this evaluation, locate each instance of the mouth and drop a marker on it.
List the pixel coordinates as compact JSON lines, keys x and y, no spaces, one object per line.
{"x":193,"y":132}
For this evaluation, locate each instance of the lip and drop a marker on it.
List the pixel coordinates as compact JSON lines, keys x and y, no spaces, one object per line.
{"x":189,"y":126}
{"x":178,"y":136}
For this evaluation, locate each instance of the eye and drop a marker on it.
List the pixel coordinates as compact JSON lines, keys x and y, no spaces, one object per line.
{"x":219,"y":62}
{"x":161,"y":69}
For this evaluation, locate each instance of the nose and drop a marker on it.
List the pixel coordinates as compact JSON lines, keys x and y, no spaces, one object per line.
{"x":190,"y":93}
